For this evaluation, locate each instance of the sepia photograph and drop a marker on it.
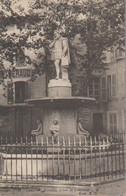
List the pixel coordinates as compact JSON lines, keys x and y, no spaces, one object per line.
{"x":62,"y":98}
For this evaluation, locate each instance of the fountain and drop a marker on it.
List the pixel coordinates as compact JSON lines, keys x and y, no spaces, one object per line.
{"x":60,"y":104}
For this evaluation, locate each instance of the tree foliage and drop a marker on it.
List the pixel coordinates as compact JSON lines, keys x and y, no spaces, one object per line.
{"x":100,"y":25}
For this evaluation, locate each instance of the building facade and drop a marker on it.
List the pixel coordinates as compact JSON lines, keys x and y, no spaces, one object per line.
{"x":16,"y":118}
{"x":109,"y":113}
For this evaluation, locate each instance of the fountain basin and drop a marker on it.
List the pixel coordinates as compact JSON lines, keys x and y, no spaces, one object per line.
{"x":63,"y":109}
{"x":61,"y":102}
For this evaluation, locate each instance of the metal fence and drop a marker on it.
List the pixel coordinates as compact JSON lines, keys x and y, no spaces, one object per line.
{"x":70,"y":158}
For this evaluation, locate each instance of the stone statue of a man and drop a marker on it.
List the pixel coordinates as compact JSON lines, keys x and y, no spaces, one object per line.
{"x":60,"y":55}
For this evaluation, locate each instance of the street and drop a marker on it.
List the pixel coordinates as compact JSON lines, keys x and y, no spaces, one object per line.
{"x":116,"y":188}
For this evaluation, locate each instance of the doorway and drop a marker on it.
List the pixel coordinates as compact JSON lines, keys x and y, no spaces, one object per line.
{"x":19,"y":92}
{"x":97,"y":123}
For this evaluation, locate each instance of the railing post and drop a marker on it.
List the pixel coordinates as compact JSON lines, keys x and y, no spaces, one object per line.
{"x":80,"y":161}
{"x":91,"y":159}
{"x":74,"y":149}
{"x":1,"y":158}
{"x":69,"y":155}
{"x":21,"y":158}
{"x":123,"y":146}
{"x":99,"y":148}
{"x":58,"y":149}
{"x":26,"y":142}
{"x":47,"y":144}
{"x":42,"y":142}
{"x":86,"y":149}
{"x":64,"y":149}
{"x":95,"y":150}
{"x":104,"y":161}
{"x":53,"y":157}
{"x":16,"y":155}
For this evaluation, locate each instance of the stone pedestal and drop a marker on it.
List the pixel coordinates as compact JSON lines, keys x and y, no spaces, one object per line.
{"x":66,"y":116}
{"x":59,"y":88}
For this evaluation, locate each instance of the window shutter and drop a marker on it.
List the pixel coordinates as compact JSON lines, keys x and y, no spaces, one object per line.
{"x":103,"y":88}
{"x":10,"y":92}
{"x":113,"y":86}
{"x":108,"y":86}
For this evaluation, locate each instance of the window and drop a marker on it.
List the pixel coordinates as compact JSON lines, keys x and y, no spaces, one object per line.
{"x":123,"y":119}
{"x":112,"y":56}
{"x":112,"y":122}
{"x":114,"y":53}
{"x":10,"y":92}
{"x":104,"y":56}
{"x":118,"y":53}
{"x":93,"y":88}
{"x":109,"y":87}
{"x":103,"y":88}
{"x":113,"y":87}
{"x":16,"y":92}
{"x":20,"y":59}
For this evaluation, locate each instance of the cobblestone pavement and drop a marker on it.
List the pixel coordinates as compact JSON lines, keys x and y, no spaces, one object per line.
{"x":114,"y":189}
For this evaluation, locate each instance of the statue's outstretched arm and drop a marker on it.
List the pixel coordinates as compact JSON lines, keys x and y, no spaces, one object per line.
{"x":52,"y":44}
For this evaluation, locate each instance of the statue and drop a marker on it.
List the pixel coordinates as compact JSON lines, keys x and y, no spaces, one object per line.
{"x":60,"y":55}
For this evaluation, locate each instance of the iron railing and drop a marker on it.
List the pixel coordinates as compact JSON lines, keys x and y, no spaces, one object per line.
{"x":70,"y":158}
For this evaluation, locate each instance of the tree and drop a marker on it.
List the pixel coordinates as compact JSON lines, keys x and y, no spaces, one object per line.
{"x":100,"y":25}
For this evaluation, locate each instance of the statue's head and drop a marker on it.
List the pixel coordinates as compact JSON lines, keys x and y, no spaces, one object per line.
{"x":57,"y":34}
{"x":38,"y":121}
{"x":55,"y":122}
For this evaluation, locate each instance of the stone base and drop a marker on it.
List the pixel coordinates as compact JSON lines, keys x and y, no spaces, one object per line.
{"x":67,"y":118}
{"x":59,"y":88}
